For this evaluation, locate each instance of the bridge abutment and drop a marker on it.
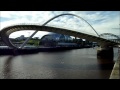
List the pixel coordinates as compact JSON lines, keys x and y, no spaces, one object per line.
{"x":105,"y":52}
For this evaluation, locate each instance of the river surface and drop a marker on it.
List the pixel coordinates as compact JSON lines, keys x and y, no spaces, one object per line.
{"x":70,"y":64}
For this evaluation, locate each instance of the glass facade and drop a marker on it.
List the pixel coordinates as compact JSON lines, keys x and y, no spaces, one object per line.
{"x":54,"y":39}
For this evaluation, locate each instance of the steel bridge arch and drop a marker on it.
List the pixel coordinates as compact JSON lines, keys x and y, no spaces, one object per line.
{"x":109,"y":34}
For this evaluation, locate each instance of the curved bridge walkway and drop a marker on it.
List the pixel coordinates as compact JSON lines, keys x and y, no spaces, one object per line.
{"x":5,"y":32}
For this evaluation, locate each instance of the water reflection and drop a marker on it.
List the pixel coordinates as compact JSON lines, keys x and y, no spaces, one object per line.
{"x":71,"y":64}
{"x":105,"y":66}
{"x":7,"y":68}
{"x":105,"y":63}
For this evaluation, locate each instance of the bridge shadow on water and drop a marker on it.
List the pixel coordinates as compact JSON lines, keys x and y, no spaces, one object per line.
{"x":106,"y":65}
{"x":7,"y":68}
{"x":105,"y":59}
{"x":105,"y":62}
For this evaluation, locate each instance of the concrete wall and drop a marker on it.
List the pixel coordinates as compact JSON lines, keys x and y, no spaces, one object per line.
{"x":115,"y":74}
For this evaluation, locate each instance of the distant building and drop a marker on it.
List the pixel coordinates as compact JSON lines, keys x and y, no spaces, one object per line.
{"x":54,"y":39}
{"x":22,"y":37}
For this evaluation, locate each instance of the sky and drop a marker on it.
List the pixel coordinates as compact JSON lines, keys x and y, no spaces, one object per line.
{"x":101,"y":21}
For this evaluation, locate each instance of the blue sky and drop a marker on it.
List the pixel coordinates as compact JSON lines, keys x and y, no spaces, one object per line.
{"x":101,"y":21}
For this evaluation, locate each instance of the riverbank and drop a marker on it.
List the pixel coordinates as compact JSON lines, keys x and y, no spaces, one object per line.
{"x":116,"y":70}
{"x":9,"y":51}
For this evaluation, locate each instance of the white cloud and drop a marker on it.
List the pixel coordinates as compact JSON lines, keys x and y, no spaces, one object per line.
{"x":108,"y":26}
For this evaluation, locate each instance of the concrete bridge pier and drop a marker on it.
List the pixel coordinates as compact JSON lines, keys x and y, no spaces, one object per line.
{"x":105,"y":52}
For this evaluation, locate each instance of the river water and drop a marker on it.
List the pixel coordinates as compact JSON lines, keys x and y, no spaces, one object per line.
{"x":69,"y":64}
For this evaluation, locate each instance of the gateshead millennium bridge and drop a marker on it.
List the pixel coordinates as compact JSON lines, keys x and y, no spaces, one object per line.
{"x":106,"y":40}
{"x":103,"y":42}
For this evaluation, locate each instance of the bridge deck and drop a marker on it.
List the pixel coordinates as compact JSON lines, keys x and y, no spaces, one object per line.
{"x":8,"y":30}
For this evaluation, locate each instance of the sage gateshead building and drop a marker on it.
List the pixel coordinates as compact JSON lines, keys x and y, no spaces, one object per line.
{"x":57,"y":40}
